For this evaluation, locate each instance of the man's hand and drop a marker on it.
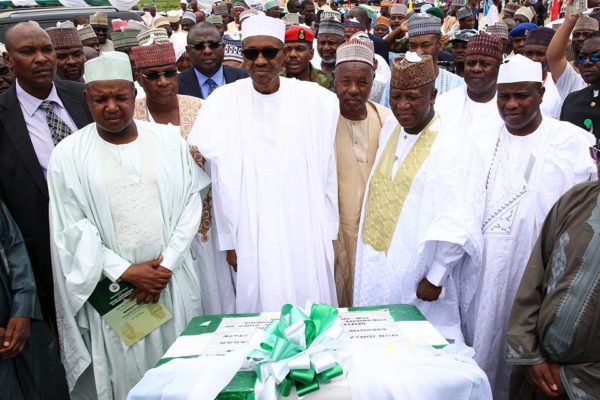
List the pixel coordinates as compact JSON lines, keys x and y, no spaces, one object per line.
{"x":143,"y":297}
{"x":148,"y":276}
{"x":15,"y":337}
{"x":545,"y":378}
{"x":428,"y":291}
{"x":232,"y":259}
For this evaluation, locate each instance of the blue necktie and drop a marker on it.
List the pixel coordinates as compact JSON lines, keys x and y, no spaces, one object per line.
{"x":212,"y":85}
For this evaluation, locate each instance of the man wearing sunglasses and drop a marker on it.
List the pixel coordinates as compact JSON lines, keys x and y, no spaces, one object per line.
{"x":157,"y":74}
{"x":553,"y":327}
{"x":582,"y":107}
{"x":273,"y":167}
{"x":206,"y":51}
{"x":6,"y":76}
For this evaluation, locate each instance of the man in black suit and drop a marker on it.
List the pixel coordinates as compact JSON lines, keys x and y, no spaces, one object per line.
{"x":35,"y":114}
{"x":378,"y":43}
{"x":206,"y":51}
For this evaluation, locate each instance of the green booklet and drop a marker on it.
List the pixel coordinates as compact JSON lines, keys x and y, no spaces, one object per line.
{"x":131,"y":321}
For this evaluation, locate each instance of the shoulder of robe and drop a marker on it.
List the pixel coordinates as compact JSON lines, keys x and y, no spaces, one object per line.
{"x":563,"y":133}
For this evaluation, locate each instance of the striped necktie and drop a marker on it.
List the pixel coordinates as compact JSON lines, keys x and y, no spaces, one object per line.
{"x":58,"y":128}
{"x":212,"y":85}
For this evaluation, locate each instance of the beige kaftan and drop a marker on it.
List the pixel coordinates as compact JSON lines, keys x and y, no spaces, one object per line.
{"x":356,"y":144}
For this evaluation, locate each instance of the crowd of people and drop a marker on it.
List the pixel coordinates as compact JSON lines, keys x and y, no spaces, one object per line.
{"x":237,"y":159}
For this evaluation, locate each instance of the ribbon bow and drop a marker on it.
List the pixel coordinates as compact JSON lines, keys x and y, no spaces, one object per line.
{"x":298,"y":350}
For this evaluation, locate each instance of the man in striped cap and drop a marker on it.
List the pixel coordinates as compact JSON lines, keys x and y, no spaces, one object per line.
{"x":69,"y":53}
{"x":356,"y":143}
{"x":500,"y":29}
{"x":188,"y":19}
{"x":99,"y":21}
{"x":465,"y":19}
{"x":396,"y":39}
{"x":411,"y":244}
{"x":424,"y":37}
{"x":298,"y":53}
{"x":329,"y":38}
{"x":163,"y":22}
{"x":217,"y":21}
{"x":236,"y":9}
{"x":471,"y":108}
{"x":88,"y":37}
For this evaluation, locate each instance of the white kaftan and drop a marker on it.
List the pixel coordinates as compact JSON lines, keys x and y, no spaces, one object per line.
{"x":274,"y":189}
{"x":112,"y":206}
{"x":527,"y":175}
{"x":476,"y":123}
{"x":437,"y":234}
{"x":552,"y":102}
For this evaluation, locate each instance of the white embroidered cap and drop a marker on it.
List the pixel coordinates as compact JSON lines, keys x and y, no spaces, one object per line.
{"x":111,"y":65}
{"x":261,"y":25}
{"x":520,"y":69}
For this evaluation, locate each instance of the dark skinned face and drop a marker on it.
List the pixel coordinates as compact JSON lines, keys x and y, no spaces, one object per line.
{"x":381,"y":31}
{"x":297,"y":58}
{"x":519,"y":44}
{"x":309,"y":13}
{"x":413,"y":108}
{"x":112,"y":104}
{"x":264,"y":72}
{"x":206,"y":60}
{"x":32,"y":59}
{"x":93,"y":43}
{"x":536,"y":52}
{"x":6,"y":76}
{"x":396,"y":20}
{"x":578,"y":37}
{"x":186,"y":24}
{"x":273,"y":12}
{"x":353,"y":82}
{"x":327,"y":44}
{"x":293,"y":6}
{"x":467,"y":23}
{"x":425,"y":44}
{"x":69,"y":63}
{"x":519,"y":106}
{"x":161,"y":90}
{"x":481,"y":73}
{"x":590,"y":71}
{"x":101,"y":33}
{"x":458,"y":51}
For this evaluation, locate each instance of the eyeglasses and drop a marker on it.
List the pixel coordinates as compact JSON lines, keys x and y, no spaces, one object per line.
{"x":268,"y":52}
{"x":595,"y":153}
{"x":210,"y":45}
{"x":582,"y":58}
{"x":152,"y":76}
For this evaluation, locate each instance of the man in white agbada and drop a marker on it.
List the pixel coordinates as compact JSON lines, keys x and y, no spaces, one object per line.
{"x":535,"y":160}
{"x":471,"y":110}
{"x":125,"y":201}
{"x":420,"y":239}
{"x":273,"y":168}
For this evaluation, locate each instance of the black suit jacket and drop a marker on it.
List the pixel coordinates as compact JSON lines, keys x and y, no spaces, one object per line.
{"x":23,"y":186}
{"x":577,"y":107}
{"x":188,"y":83}
{"x":381,"y":47}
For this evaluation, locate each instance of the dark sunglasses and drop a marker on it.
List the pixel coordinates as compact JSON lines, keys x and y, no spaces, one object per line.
{"x":595,"y":153}
{"x":210,"y":45}
{"x":152,"y":76}
{"x":582,"y":58}
{"x":4,"y":70}
{"x":268,"y":52}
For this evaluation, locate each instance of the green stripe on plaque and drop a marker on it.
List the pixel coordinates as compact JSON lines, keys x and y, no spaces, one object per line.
{"x":399,"y":312}
{"x":241,"y":387}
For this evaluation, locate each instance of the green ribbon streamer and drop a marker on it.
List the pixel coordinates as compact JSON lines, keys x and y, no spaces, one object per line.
{"x":277,"y":347}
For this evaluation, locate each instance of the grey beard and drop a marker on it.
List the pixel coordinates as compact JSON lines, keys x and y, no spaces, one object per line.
{"x":331,"y":61}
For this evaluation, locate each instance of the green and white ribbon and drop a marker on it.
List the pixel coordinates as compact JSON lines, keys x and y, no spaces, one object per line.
{"x":300,"y":349}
